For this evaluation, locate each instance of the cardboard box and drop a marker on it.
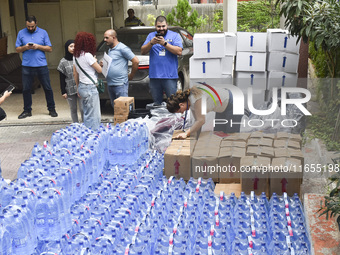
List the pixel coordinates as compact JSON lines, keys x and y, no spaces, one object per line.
{"x":282,"y":61}
{"x":229,"y":161}
{"x":251,"y":61}
{"x":285,"y":136}
{"x":209,"y":138}
{"x":205,"y":68}
{"x":209,"y":45}
{"x":259,"y":134}
{"x":243,"y":137}
{"x":177,"y":162}
{"x":228,"y":189}
{"x":227,"y":63}
{"x":204,"y":162}
{"x":288,"y":177}
{"x":216,"y":82}
{"x":256,"y":80}
{"x":260,"y":142}
{"x":123,"y":105}
{"x":257,"y":99}
{"x":183,"y":143}
{"x":287,"y":144}
{"x":117,"y":119}
{"x":252,"y":177}
{"x":234,"y":144}
{"x":281,"y":40}
{"x":249,"y":41}
{"x":230,"y":44}
{"x":177,"y":132}
{"x":281,"y":79}
{"x":262,"y":151}
{"x":289,"y":153}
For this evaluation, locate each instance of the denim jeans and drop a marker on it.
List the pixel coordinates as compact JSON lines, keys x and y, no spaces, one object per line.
{"x":228,"y":115}
{"x":89,"y":97}
{"x":157,"y":86}
{"x":28,"y":74}
{"x":74,"y":101}
{"x":117,"y":91}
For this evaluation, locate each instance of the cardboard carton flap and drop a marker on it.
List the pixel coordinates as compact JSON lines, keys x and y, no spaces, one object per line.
{"x":232,"y":152}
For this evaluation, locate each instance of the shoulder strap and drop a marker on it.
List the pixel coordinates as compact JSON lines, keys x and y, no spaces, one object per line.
{"x":88,"y":76}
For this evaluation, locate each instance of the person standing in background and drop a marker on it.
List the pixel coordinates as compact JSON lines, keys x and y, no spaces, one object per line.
{"x":85,"y":69}
{"x":68,"y":85}
{"x":164,"y":46}
{"x":132,"y":20}
{"x":33,"y":42}
{"x":118,"y":76}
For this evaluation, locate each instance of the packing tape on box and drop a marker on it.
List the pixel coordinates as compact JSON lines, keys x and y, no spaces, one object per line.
{"x":259,"y":150}
{"x":255,"y":161}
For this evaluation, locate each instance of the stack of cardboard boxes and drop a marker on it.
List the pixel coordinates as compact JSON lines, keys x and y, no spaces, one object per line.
{"x":256,"y":161}
{"x":177,"y":158}
{"x":283,"y":59}
{"x":122,"y":108}
{"x":265,"y":61}
{"x":251,"y":65}
{"x":213,"y":58}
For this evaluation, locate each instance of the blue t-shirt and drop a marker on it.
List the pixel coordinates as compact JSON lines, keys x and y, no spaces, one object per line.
{"x":164,"y":64}
{"x":118,"y":71}
{"x":33,"y":58}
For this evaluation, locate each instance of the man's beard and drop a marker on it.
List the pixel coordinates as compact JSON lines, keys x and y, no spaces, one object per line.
{"x":165,"y":32}
{"x":31,"y":31}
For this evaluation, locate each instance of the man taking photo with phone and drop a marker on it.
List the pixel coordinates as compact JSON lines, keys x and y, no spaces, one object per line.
{"x":2,"y":99}
{"x":33,"y":42}
{"x":164,"y":46}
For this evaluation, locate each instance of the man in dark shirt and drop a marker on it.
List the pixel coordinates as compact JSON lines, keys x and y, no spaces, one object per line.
{"x":132,"y":20}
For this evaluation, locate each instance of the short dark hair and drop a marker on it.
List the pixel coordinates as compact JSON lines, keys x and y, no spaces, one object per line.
{"x":131,"y":10}
{"x":160,"y":19}
{"x":31,"y":18}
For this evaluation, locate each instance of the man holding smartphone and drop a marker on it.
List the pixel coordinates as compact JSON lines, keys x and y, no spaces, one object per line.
{"x":164,"y":46}
{"x":33,"y":42}
{"x":3,"y":97}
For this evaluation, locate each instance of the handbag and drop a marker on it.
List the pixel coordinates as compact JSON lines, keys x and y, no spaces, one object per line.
{"x":2,"y":114}
{"x":100,"y":85}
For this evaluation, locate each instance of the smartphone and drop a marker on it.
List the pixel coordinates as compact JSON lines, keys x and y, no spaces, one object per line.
{"x":30,"y":44}
{"x":159,"y":34}
{"x":10,"y":88}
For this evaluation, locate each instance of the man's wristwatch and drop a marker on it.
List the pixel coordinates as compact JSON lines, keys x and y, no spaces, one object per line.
{"x":165,"y":44}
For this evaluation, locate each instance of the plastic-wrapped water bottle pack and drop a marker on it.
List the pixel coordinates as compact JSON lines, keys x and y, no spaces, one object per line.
{"x":104,"y":193}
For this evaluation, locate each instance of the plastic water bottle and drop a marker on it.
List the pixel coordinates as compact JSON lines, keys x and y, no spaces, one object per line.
{"x":48,"y":222}
{"x":5,"y":242}
{"x":80,"y":244}
{"x":17,"y":225}
{"x":102,"y":245}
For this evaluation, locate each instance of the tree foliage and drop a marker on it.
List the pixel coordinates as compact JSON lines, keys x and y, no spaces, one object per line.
{"x":317,"y":21}
{"x":257,"y":16}
{"x":183,"y":15}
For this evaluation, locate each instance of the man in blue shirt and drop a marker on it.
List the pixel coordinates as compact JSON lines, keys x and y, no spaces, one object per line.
{"x":118,"y":75}
{"x":33,"y":42}
{"x":164,"y":46}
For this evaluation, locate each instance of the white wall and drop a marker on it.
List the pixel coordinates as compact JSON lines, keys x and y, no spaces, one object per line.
{"x":48,"y":18}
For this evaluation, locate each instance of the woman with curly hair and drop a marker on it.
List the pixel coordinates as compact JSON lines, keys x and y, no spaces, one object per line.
{"x":192,"y":99}
{"x":85,"y":69}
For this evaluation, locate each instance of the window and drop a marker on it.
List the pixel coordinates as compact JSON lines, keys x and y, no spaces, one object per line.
{"x":187,"y":38}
